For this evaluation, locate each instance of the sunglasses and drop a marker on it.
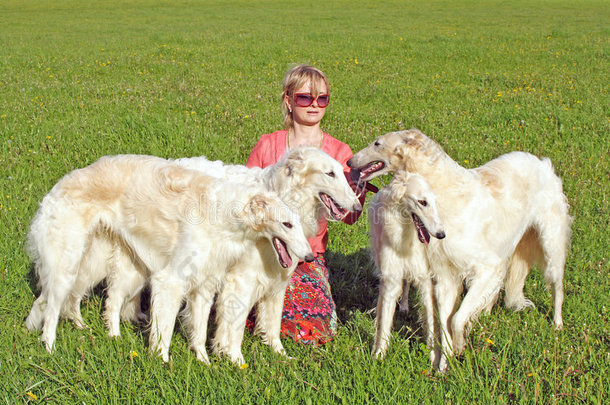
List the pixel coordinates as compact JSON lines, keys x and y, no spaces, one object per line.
{"x":306,"y":99}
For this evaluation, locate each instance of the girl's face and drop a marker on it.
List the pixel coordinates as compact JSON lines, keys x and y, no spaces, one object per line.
{"x":311,"y":115}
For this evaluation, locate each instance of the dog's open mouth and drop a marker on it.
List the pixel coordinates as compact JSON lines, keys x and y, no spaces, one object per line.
{"x":336,"y":211}
{"x":282,"y":252}
{"x":371,"y":168}
{"x":422,"y":232}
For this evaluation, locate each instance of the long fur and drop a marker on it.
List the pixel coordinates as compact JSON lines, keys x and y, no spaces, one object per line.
{"x":255,"y":279}
{"x":184,"y":227}
{"x":399,"y":254}
{"x":500,"y":219}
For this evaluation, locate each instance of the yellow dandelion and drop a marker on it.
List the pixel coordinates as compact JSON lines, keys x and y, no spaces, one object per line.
{"x":50,"y":75}
{"x":356,"y":61}
{"x":466,"y":161}
{"x":3,"y":116}
{"x":31,"y":395}
{"x":244,"y":366}
{"x":133,"y":354}
{"x":489,"y":341}
{"x":246,"y":116}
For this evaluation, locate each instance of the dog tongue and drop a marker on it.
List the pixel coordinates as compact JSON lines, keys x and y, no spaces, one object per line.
{"x":337,"y":212}
{"x":280,"y":248}
{"x":422,"y":232}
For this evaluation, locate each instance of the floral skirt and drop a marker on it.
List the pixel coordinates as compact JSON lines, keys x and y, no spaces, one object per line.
{"x":309,"y":314}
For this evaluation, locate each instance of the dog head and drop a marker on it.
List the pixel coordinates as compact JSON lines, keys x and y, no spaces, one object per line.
{"x":309,"y":173}
{"x":270,"y":218}
{"x":412,"y":193}
{"x":403,"y":150}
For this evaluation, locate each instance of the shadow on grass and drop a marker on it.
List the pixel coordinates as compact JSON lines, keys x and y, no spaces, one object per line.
{"x":355,"y":288}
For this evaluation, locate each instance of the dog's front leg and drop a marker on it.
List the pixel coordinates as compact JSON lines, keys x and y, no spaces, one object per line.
{"x":389,"y":292}
{"x":447,"y":289}
{"x":481,"y":292}
{"x":270,"y":308}
{"x":233,"y":307}
{"x":166,"y":297}
{"x":196,"y":315}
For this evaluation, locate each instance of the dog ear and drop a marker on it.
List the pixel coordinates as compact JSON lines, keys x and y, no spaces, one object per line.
{"x":175,"y":178}
{"x":256,"y":211}
{"x":398,"y":186}
{"x":294,"y":163}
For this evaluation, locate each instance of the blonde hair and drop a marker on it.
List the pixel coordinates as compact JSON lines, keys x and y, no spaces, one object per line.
{"x":296,"y":78}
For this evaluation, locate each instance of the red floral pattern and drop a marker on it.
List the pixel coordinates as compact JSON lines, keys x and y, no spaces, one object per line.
{"x":309,"y":314}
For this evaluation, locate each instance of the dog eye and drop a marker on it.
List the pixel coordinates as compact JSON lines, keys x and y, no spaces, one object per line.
{"x":331,"y":174}
{"x":287,"y":225}
{"x":423,"y":202}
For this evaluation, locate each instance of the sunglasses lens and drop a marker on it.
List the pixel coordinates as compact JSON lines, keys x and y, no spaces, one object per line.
{"x":323,"y":100}
{"x":303,"y":100}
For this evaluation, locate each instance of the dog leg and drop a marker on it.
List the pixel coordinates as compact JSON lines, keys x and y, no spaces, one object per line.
{"x":389,"y":292}
{"x":233,"y":306}
{"x":167,"y":294}
{"x":403,"y":305}
{"x":34,"y":320}
{"x":481,"y":292}
{"x":427,"y":294}
{"x":123,"y":301}
{"x":56,"y":296}
{"x":527,"y":253}
{"x":446,"y":293}
{"x":272,"y":318}
{"x":72,"y":310}
{"x":197,"y":315}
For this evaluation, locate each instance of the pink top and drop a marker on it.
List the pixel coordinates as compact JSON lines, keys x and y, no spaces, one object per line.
{"x":271,"y":147}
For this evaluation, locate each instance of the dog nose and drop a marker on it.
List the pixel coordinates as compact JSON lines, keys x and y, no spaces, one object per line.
{"x":440,"y":235}
{"x":350,"y":162}
{"x":309,"y":258}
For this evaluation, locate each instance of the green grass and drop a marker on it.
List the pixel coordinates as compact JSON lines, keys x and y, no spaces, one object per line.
{"x":79,"y":80}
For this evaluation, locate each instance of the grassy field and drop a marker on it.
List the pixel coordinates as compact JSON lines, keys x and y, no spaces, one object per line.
{"x":80,"y":79}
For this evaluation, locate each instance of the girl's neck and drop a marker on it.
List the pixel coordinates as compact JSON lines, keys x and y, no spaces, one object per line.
{"x":304,"y":135}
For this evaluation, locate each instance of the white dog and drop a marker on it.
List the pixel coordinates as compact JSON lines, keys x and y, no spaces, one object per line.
{"x":186,"y":229}
{"x":500,"y":219}
{"x":313,"y":184}
{"x":402,"y":217}
{"x":307,"y":179}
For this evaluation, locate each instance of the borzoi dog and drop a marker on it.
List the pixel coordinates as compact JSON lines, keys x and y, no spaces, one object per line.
{"x":307,"y":179}
{"x":402,"y":217}
{"x":500,"y":219}
{"x":185,"y":227}
{"x":313,"y":184}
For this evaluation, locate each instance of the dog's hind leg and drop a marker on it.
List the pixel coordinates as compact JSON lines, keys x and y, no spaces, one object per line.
{"x":527,"y":253}
{"x":125,"y":283}
{"x":390,"y":288}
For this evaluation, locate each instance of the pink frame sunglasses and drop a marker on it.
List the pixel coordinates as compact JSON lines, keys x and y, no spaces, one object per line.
{"x":306,"y":99}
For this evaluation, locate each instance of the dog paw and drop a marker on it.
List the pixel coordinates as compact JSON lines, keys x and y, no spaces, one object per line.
{"x":202,"y":355}
{"x":142,"y":317}
{"x":378,"y":353}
